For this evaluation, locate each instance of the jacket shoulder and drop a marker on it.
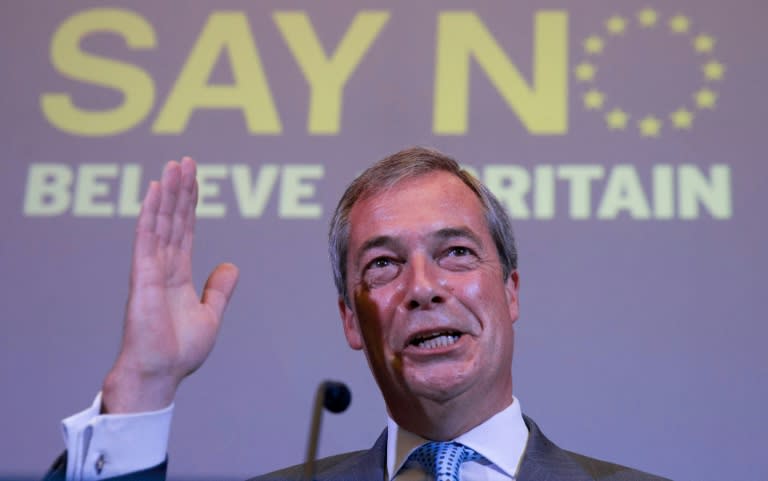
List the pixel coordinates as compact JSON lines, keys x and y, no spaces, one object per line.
{"x":324,"y":468}
{"x":605,"y":471}
{"x":365,"y":465}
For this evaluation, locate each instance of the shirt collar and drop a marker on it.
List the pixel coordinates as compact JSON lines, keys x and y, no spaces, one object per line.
{"x":501,"y":439}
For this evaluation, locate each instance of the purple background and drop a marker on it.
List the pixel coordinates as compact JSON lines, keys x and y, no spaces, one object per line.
{"x":640,"y":341}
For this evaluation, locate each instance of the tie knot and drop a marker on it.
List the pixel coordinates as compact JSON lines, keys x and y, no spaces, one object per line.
{"x":443,"y":459}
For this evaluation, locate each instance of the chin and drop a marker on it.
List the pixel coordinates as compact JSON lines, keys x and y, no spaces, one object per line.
{"x":439,"y":384}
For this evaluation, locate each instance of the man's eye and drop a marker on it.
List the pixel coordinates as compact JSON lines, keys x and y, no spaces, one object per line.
{"x":381,"y":262}
{"x":459,"y":251}
{"x":380,"y":271}
{"x":458,"y":258}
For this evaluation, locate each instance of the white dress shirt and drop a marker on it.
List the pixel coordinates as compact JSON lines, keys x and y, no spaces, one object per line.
{"x":501,"y":440}
{"x":100,"y":446}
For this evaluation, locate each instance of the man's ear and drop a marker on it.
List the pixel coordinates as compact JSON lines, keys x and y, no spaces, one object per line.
{"x":512,"y":288}
{"x":351,"y":325}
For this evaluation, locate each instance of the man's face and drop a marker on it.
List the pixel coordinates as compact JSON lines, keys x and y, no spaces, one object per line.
{"x":430,"y":306}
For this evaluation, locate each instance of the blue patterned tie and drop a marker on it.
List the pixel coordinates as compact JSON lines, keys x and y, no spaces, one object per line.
{"x":443,"y":459}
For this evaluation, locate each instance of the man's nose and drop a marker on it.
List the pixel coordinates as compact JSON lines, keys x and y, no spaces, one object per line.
{"x":425,"y":287}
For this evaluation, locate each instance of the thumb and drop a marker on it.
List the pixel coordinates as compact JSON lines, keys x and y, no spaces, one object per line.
{"x":219,"y":287}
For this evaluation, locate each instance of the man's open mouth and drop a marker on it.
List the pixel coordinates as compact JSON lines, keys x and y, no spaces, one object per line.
{"x":436,"y":340}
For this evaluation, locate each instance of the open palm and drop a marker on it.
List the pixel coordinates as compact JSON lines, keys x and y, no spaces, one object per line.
{"x":169,"y":330}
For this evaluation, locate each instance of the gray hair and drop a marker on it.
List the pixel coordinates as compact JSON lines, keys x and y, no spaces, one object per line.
{"x":408,"y":164}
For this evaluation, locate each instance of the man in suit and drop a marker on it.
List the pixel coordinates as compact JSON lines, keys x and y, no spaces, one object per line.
{"x":424,"y":262}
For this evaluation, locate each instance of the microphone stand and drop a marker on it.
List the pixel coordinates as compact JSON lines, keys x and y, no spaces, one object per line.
{"x":335,"y":397}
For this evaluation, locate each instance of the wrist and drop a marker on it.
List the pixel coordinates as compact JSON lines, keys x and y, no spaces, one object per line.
{"x":125,"y":391}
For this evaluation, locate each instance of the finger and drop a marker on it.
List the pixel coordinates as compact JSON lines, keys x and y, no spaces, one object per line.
{"x":185,"y":201}
{"x":169,"y":193}
{"x":189,"y":230}
{"x":219,"y":288}
{"x":145,"y":242}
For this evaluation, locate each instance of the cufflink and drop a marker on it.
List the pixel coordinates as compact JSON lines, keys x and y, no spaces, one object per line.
{"x":100,"y":462}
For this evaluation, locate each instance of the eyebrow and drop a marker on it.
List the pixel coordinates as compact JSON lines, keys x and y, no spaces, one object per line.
{"x":448,"y":233}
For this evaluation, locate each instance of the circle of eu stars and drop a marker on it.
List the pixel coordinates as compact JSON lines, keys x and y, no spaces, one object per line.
{"x":650,"y":125}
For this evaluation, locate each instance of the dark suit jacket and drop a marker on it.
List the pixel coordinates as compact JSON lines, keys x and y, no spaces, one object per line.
{"x":542,"y":461}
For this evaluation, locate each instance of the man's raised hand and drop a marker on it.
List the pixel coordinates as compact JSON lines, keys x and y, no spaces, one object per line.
{"x":169,"y":330}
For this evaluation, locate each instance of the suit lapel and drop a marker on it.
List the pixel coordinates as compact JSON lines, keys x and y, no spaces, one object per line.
{"x":544,"y":461}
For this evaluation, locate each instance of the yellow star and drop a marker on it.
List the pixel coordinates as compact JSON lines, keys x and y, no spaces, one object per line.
{"x":681,"y":119}
{"x":713,"y":70}
{"x":593,"y":100}
{"x":679,"y":24}
{"x":616,"y":25}
{"x":649,"y":126}
{"x":585,"y":71}
{"x":616,"y":119}
{"x":647,"y":17}
{"x":705,"y":98}
{"x":703,"y":43}
{"x":593,"y":44}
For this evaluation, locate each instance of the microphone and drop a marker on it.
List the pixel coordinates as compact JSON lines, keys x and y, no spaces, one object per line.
{"x":335,"y":397}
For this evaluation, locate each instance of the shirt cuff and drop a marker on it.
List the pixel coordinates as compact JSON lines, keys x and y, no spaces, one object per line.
{"x":102,"y":446}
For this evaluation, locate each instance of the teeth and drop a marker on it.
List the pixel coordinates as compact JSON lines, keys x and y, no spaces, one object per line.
{"x":438,"y":341}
